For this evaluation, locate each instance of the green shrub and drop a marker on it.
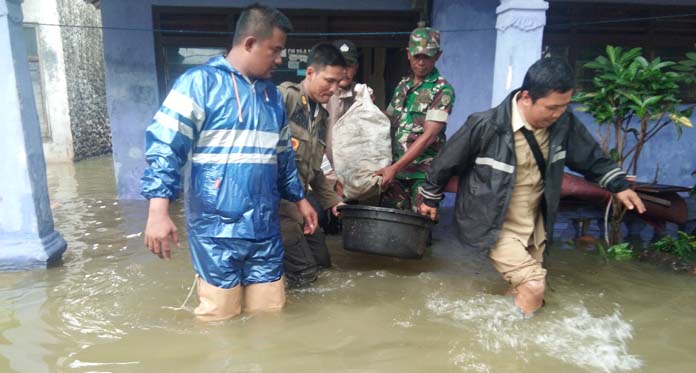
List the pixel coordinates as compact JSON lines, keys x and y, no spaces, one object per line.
{"x":632,"y":99}
{"x":684,"y":246}
{"x":622,"y":251}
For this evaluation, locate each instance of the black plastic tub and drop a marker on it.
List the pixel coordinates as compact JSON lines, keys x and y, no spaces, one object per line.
{"x":385,"y":231}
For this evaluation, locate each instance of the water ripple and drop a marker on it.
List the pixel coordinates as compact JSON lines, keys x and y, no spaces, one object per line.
{"x":572,"y":335}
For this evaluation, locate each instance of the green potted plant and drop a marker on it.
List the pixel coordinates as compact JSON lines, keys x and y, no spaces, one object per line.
{"x":631,"y":99}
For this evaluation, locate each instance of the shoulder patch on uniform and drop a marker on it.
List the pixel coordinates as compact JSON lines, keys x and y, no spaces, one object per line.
{"x":295,"y":143}
{"x":446,"y":99}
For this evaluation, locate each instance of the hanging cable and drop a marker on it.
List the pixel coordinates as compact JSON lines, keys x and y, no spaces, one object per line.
{"x":606,"y":220}
{"x":376,"y":33}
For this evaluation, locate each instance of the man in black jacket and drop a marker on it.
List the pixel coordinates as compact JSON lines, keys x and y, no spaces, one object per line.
{"x":504,"y":202}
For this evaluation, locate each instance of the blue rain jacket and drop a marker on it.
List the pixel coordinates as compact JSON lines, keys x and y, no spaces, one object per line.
{"x":242,"y":162}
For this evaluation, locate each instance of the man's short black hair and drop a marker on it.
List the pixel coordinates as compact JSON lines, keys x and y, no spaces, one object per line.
{"x":258,"y":21}
{"x":548,"y":75}
{"x":325,"y":54}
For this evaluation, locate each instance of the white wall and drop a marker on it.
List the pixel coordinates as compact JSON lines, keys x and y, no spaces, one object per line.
{"x":59,"y":148}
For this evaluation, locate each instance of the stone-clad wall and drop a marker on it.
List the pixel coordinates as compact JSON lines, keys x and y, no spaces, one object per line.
{"x":84,"y":69}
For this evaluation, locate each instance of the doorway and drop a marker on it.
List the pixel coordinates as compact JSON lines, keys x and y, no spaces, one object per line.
{"x":189,"y":36}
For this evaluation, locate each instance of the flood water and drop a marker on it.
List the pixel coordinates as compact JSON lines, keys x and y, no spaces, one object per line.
{"x":110,"y":307}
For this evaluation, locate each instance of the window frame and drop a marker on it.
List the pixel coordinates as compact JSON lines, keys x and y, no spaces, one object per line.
{"x":46,"y":131}
{"x":567,"y":28}
{"x":304,"y":20}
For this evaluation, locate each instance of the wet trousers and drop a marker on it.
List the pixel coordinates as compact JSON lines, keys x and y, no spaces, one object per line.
{"x":402,"y":194}
{"x":305,"y":255}
{"x":518,"y":262}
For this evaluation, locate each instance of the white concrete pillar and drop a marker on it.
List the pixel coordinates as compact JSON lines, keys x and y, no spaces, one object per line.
{"x":520,"y":28}
{"x":27,"y":235}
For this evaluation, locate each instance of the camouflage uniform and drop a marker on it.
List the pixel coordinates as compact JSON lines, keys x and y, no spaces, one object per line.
{"x":305,"y":254}
{"x":411,"y":106}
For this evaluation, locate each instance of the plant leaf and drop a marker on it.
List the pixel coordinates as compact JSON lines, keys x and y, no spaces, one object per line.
{"x":614,"y":154}
{"x":651,"y":100}
{"x":681,"y":120}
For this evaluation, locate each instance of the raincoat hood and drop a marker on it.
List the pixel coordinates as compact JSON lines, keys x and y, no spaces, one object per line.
{"x":220,"y":62}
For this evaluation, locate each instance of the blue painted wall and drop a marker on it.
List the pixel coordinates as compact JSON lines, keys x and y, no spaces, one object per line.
{"x":131,"y":76}
{"x":468,"y":41}
{"x":675,"y":156}
{"x":468,"y":44}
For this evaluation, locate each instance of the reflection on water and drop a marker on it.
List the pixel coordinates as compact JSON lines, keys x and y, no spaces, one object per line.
{"x":109,"y":308}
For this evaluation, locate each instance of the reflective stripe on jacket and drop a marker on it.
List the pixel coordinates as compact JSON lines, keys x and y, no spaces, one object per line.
{"x":242,"y":162}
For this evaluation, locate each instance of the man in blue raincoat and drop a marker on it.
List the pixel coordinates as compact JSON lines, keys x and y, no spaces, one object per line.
{"x":232,"y":120}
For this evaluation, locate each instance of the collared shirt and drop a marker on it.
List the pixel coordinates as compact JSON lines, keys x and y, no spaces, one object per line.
{"x":412,"y":105}
{"x":523,"y":219}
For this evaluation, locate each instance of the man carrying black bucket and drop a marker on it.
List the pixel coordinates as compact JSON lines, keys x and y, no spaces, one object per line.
{"x":510,"y":162}
{"x":306,"y":254}
{"x":418,"y":112}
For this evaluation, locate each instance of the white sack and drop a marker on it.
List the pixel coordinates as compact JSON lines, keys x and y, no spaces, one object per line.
{"x":361,"y":146}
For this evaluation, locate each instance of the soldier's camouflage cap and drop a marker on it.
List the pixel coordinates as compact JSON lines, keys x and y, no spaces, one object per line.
{"x":424,"y":40}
